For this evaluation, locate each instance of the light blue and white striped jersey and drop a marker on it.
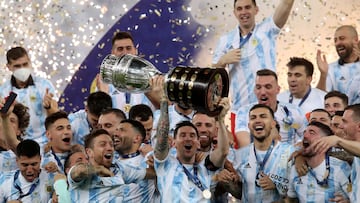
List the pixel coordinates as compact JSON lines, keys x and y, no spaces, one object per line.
{"x":315,"y":100}
{"x":339,"y":76}
{"x":105,"y":189}
{"x":258,"y":53}
{"x":80,"y":126}
{"x":7,"y":161}
{"x":119,"y":99}
{"x":142,"y":191}
{"x":174,"y":118}
{"x":306,"y":189}
{"x":276,"y":167}
{"x":42,"y":192}
{"x":57,"y":158}
{"x":32,"y":97}
{"x":174,"y":185}
{"x":355,"y":180}
{"x":291,"y":119}
{"x":353,"y":90}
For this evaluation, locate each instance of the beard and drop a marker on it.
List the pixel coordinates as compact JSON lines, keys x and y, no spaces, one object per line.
{"x":261,"y":138}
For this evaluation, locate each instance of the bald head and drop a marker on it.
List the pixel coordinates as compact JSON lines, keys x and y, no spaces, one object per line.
{"x":349,"y":29}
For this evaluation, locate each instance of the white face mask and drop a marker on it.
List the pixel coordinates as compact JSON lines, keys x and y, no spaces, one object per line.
{"x":22,"y":74}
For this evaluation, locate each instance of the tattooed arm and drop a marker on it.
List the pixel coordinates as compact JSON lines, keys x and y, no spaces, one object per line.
{"x":162,"y":134}
{"x":218,"y":155}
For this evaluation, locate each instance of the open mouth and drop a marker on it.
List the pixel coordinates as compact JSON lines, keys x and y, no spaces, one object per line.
{"x":108,"y":156}
{"x":306,"y":144}
{"x":259,"y":128}
{"x":188,"y":146}
{"x":67,"y":140}
{"x":264,"y":99}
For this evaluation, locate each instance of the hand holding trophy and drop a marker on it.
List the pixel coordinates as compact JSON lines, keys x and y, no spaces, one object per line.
{"x":193,"y":87}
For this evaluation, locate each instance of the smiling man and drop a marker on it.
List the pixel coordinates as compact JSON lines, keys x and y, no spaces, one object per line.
{"x":327,"y":178}
{"x":102,"y":180}
{"x":181,"y":178}
{"x":29,"y":183}
{"x":290,"y":117}
{"x":249,"y":47}
{"x":263,"y":165}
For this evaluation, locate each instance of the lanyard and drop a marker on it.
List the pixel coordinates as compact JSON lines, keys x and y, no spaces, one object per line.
{"x":324,"y":182}
{"x":267,"y":155}
{"x":33,"y":186}
{"x":291,"y":97}
{"x":244,"y":40}
{"x":57,"y":160}
{"x":127,"y":97}
{"x":194,"y":177}
{"x":126,"y":156}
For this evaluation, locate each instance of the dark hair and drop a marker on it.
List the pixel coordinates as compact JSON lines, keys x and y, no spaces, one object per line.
{"x":52,"y":118}
{"x":321,"y":110}
{"x":267,"y":72}
{"x":67,"y":160}
{"x":339,"y":113}
{"x":15,"y":53}
{"x":253,"y":1}
{"x":137,"y":126}
{"x":182,"y":124}
{"x":297,"y":61}
{"x":28,"y":148}
{"x":122,"y":35}
{"x":117,"y":112}
{"x":88,"y":139}
{"x":323,"y":127}
{"x":23,"y":116}
{"x":257,"y":106}
{"x":141,"y":111}
{"x":356,"y":111}
{"x":97,"y":102}
{"x":344,"y":98}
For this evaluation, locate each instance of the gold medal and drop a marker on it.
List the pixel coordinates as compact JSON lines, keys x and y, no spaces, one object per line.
{"x":349,"y":187}
{"x":206,"y":194}
{"x":127,"y":108}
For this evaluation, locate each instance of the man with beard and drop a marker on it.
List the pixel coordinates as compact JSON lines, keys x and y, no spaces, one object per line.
{"x":177,"y":113}
{"x":181,"y":178}
{"x":127,"y":142}
{"x":102,"y":180}
{"x":263,"y":165}
{"x":327,"y":178}
{"x":290,"y":118}
{"x":145,"y":116}
{"x":351,"y":127}
{"x":337,"y":75}
{"x":228,"y":179}
{"x":320,"y":115}
{"x":29,"y":183}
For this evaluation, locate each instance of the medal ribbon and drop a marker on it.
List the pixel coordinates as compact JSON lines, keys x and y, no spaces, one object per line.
{"x":244,"y":40}
{"x":194,"y":177}
{"x":325,"y":181}
{"x":291,"y":97}
{"x":33,"y":186}
{"x":57,"y":160}
{"x":267,"y":155}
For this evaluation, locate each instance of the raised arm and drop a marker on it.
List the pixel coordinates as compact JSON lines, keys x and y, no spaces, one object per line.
{"x":162,"y":134}
{"x":9,"y":135}
{"x":282,"y":12}
{"x":218,"y":155}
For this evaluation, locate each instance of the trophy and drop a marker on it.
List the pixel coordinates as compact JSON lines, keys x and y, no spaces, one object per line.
{"x":193,"y":87}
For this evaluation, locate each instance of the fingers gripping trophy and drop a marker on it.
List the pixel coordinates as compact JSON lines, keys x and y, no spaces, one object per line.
{"x":198,"y":88}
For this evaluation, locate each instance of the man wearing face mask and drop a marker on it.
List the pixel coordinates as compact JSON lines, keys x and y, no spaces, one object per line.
{"x":34,"y":92}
